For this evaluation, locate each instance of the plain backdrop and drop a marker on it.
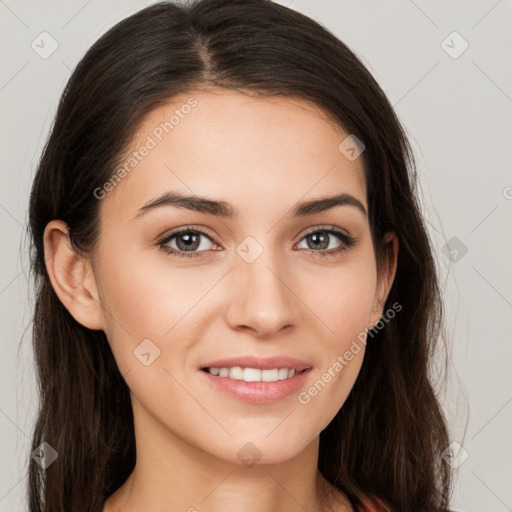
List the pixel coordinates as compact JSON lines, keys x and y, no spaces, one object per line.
{"x":446,"y":68}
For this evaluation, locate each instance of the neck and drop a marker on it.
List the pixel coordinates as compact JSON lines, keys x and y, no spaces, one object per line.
{"x":171,"y":474}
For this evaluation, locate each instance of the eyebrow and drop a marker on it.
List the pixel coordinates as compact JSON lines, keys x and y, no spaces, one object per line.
{"x":226,"y":210}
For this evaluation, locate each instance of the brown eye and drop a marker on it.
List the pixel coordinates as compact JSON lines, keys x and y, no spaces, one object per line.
{"x":319,"y":240}
{"x":323,"y":242}
{"x":187,"y":242}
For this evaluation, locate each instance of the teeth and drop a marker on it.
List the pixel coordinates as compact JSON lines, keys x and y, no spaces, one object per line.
{"x":283,"y":373}
{"x":236,"y":373}
{"x":253,"y":374}
{"x":268,"y":375}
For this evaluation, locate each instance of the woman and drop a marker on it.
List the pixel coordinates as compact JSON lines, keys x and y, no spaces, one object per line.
{"x":237,"y":301}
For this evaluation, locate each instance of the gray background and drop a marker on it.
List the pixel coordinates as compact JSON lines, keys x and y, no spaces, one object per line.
{"x":457,"y":112}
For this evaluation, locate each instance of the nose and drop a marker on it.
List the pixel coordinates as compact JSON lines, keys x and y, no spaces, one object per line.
{"x":261,"y":298}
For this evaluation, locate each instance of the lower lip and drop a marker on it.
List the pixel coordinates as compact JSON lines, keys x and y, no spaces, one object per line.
{"x":258,"y":392}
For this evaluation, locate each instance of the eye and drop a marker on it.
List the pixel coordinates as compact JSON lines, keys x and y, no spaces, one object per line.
{"x":322,"y":241}
{"x":186,"y":242}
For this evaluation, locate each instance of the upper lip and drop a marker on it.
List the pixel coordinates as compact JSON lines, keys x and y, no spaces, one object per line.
{"x":265,"y":363}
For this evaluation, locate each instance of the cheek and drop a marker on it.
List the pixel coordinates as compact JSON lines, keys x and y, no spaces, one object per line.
{"x":142,"y":295}
{"x":343,"y":302}
{"x":145,"y":298}
{"x":342,"y":299}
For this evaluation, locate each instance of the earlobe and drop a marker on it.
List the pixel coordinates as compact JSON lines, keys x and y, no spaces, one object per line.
{"x":72,"y":277}
{"x":386,"y":277}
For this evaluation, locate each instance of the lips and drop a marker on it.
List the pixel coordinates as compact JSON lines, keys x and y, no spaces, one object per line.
{"x":257,"y":393}
{"x":253,"y":380}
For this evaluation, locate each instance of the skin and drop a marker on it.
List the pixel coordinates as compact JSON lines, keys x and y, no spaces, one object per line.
{"x":263,"y":156}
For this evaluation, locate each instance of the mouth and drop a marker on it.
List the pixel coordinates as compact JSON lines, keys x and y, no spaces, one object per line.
{"x":257,"y":369}
{"x":254,"y":374}
{"x":255,"y":380}
{"x":249,"y":374}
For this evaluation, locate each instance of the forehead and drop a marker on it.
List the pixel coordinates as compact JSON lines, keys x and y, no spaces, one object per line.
{"x":231,"y":146}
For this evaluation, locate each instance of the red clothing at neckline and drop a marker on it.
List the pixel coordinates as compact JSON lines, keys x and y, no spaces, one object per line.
{"x":374,"y":504}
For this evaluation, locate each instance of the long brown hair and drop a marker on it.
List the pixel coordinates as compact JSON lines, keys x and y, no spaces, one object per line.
{"x":387,"y":438}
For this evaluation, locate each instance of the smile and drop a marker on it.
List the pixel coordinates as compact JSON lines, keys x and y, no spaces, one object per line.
{"x":254,"y":374}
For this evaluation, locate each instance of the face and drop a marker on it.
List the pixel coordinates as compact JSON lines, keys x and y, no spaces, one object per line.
{"x":269,"y":280}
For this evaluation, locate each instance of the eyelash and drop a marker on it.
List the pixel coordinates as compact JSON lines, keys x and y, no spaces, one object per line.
{"x":347,"y":242}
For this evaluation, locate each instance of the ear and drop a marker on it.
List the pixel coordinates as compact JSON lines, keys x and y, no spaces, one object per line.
{"x":385,"y":278}
{"x":72,"y":277}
